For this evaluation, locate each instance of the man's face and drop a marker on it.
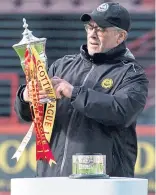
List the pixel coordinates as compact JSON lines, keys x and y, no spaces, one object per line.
{"x":100,"y":40}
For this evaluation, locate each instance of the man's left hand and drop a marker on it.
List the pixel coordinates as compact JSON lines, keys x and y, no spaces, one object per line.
{"x":62,"y":87}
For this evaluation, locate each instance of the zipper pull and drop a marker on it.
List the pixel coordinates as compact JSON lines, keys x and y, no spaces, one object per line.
{"x":91,"y":60}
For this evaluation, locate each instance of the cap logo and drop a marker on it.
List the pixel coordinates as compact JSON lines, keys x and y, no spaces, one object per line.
{"x":103,"y":7}
{"x":107,"y":83}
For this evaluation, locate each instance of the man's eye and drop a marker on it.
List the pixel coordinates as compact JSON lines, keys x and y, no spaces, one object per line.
{"x":90,"y":27}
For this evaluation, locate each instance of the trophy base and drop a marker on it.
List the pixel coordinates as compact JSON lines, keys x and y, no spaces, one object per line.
{"x":89,"y":176}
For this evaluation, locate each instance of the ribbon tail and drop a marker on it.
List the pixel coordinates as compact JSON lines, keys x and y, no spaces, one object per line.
{"x":23,"y":144}
{"x":51,"y":162}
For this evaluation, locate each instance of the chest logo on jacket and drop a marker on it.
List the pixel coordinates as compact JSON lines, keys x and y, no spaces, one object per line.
{"x":107,"y":83}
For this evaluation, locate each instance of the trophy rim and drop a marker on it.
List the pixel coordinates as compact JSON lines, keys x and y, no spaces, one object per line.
{"x":30,"y":42}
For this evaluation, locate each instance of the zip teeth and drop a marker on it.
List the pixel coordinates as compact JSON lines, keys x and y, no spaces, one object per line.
{"x":69,"y":126}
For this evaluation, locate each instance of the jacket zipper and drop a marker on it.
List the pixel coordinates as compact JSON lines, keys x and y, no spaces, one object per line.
{"x":69,"y":126}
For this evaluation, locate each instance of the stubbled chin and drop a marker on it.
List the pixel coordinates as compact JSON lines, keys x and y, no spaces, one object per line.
{"x":93,"y":50}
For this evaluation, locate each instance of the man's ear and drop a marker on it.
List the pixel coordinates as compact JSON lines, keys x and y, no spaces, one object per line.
{"x":121,"y":37}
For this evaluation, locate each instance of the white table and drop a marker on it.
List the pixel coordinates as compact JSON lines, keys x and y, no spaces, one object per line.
{"x":66,"y":186}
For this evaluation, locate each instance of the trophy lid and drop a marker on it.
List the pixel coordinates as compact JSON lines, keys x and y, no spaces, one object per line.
{"x":28,"y":36}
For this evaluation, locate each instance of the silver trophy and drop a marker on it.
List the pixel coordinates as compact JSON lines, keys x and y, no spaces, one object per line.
{"x":39,"y":44}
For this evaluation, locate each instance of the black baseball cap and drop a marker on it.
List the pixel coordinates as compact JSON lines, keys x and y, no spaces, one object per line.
{"x":109,"y":15}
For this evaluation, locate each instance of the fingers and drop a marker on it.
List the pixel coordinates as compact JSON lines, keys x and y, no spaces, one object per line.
{"x":43,"y":94}
{"x":56,"y":77}
{"x":28,"y":92}
{"x":58,"y":91}
{"x":60,"y":87}
{"x":56,"y":80}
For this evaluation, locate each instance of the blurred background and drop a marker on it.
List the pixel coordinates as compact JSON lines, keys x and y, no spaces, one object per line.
{"x":58,"y":21}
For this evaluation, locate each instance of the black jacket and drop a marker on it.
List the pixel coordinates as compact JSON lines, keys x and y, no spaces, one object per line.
{"x":110,"y":91}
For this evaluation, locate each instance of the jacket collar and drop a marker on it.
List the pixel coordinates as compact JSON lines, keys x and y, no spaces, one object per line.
{"x":113,"y":55}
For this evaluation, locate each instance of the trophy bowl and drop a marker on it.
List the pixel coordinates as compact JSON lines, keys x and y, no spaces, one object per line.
{"x":29,"y":39}
{"x":38,"y":43}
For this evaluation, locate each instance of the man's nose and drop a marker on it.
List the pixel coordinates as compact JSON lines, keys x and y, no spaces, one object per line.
{"x":93,"y":33}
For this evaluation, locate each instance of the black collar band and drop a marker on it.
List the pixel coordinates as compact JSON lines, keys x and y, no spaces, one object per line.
{"x":113,"y":55}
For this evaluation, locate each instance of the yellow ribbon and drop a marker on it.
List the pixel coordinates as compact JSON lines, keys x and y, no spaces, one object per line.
{"x":47,"y":86}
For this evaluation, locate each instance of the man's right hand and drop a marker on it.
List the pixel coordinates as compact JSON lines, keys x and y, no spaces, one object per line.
{"x":27,"y":97}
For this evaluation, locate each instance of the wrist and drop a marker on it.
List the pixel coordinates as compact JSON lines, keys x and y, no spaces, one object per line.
{"x":20,"y":93}
{"x":23,"y":96}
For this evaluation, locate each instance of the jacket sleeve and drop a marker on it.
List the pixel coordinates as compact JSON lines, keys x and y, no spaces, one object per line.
{"x":22,"y":108}
{"x":121,"y":108}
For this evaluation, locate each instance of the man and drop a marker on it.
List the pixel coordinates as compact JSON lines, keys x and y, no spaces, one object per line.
{"x":100,"y":92}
